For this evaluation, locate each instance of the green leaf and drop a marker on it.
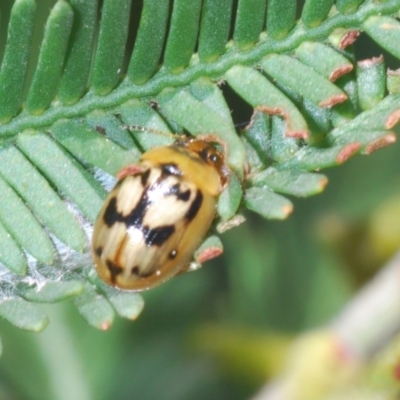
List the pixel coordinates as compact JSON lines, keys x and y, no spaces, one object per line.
{"x":315,"y":11}
{"x":15,"y":62}
{"x":263,"y":95}
{"x":52,"y":53}
{"x":126,"y":304}
{"x":140,"y":114}
{"x":385,"y":31}
{"x":182,"y":34}
{"x":52,"y":292}
{"x":111,"y":45}
{"x":280,"y":17}
{"x":149,"y":42}
{"x":297,"y":183}
{"x":214,"y":29}
{"x":199,"y":119}
{"x":23,"y":226}
{"x":303,"y":80}
{"x":94,"y":308}
{"x":230,"y":198}
{"x":311,"y":159}
{"x":40,"y":197}
{"x":110,"y":126}
{"x":78,"y":60}
{"x":323,"y":59}
{"x":393,"y":81}
{"x":211,"y":247}
{"x":24,"y":315}
{"x":63,"y":171}
{"x":249,"y":22}
{"x":267,"y":203}
{"x":10,"y":254}
{"x":381,"y":118}
{"x":348,"y":6}
{"x":371,"y":82}
{"x":95,"y":149}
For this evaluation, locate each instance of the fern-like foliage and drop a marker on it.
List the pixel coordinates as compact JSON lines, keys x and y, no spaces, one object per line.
{"x":74,"y":124}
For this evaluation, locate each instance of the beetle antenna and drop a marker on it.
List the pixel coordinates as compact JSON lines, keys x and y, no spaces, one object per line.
{"x":150,"y":130}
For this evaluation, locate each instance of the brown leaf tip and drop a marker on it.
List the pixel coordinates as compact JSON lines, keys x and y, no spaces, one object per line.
{"x":370,"y":62}
{"x":393,"y":72}
{"x":272,"y":110}
{"x":209,"y":254}
{"x":379,"y":143}
{"x":349,"y":38}
{"x":392,"y":119}
{"x":105,"y":325}
{"x":340,"y":71}
{"x":347,"y":151}
{"x":323,"y":183}
{"x":287,"y":210}
{"x":224,"y":226}
{"x":305,"y":135}
{"x":331,"y":101}
{"x":295,"y":134}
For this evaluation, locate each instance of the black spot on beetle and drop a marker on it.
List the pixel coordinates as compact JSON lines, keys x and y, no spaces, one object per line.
{"x":144,"y":177}
{"x":135,"y":270}
{"x":158,"y":236}
{"x":114,"y":269}
{"x":183,"y":196}
{"x":195,"y":206}
{"x":142,"y":274}
{"x":111,"y":215}
{"x":153,"y":236}
{"x":98,"y":251}
{"x":135,"y":217}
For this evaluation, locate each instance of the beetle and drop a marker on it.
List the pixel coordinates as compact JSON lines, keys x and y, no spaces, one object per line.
{"x":158,"y":214}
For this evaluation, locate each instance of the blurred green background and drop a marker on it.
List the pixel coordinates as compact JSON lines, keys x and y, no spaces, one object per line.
{"x":222,"y":331}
